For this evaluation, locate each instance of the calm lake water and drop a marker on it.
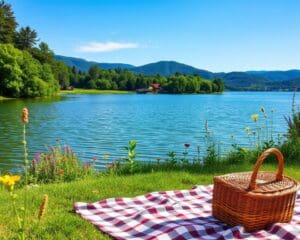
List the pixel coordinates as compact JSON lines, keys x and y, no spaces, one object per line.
{"x":94,"y":125}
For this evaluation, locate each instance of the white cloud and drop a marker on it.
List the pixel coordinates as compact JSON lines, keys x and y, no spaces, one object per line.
{"x":95,"y":47}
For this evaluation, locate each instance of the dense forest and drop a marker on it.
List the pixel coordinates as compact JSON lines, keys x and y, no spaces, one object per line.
{"x":120,"y":79}
{"x":28,"y":68}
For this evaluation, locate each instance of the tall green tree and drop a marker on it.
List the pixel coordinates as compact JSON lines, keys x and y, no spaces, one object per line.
{"x":94,"y":72}
{"x":26,"y":38}
{"x":62,"y":74}
{"x":43,"y":53}
{"x":220,"y":85}
{"x":11,"y":81}
{"x":8,"y":23}
{"x":23,"y":76}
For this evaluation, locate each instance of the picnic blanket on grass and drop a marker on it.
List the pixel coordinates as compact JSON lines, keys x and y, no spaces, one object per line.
{"x":178,"y":215}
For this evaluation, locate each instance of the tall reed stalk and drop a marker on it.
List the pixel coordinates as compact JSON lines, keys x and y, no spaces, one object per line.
{"x":25,"y":120}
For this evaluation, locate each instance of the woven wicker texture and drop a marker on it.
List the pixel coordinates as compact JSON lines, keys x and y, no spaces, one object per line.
{"x":255,"y":199}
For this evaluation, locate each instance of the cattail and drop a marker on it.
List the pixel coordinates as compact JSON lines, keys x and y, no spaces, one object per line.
{"x":43,"y":207}
{"x":25,"y":115}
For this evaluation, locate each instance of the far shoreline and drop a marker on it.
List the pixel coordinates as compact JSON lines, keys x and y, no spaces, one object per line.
{"x":93,"y":91}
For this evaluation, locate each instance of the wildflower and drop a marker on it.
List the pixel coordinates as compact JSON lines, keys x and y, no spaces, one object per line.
{"x":248,"y":130}
{"x":61,"y":172}
{"x":43,"y":207}
{"x":86,"y":165}
{"x":94,"y":158}
{"x":10,"y":180}
{"x":187,"y":145}
{"x":33,"y":162}
{"x":105,"y":156}
{"x":254,"y":117}
{"x":37,"y":156}
{"x":67,"y":150}
{"x":25,"y":115}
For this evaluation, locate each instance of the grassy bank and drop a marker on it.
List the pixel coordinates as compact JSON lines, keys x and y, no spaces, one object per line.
{"x":62,"y":223}
{"x":93,"y":91}
{"x":4,"y":98}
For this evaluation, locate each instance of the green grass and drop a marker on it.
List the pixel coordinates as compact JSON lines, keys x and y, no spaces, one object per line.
{"x":93,"y":91}
{"x":3,"y":98}
{"x":61,"y":222}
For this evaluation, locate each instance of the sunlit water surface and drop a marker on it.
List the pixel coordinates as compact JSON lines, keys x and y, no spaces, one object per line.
{"x":96,"y":125}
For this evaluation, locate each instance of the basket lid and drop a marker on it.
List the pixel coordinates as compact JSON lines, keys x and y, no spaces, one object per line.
{"x":265,"y":182}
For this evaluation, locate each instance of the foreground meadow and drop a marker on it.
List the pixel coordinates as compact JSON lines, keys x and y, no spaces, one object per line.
{"x":61,"y":221}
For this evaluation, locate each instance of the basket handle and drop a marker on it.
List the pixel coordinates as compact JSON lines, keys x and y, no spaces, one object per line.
{"x":279,"y":175}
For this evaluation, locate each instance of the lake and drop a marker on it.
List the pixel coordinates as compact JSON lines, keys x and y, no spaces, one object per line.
{"x":94,"y":125}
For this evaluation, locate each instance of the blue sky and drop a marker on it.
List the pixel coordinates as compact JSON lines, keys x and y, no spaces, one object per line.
{"x":217,"y":35}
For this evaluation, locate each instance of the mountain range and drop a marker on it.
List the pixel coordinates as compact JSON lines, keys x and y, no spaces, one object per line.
{"x":248,"y":80}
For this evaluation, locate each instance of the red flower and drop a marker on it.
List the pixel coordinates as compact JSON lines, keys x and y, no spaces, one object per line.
{"x":94,"y":158}
{"x":187,"y":145}
{"x":61,"y":172}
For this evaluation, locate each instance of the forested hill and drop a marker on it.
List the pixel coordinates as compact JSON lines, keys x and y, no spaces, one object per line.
{"x":84,"y":65}
{"x":168,"y":68}
{"x":249,"y":80}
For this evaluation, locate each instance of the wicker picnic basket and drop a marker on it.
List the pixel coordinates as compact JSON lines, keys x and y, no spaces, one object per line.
{"x":255,"y":199}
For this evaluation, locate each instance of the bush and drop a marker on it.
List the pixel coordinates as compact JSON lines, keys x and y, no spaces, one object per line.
{"x":58,"y":165}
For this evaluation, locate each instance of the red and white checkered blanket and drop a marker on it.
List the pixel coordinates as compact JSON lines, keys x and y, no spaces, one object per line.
{"x":179,"y":215}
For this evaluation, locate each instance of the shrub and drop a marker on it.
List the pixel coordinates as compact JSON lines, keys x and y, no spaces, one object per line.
{"x":58,"y":165}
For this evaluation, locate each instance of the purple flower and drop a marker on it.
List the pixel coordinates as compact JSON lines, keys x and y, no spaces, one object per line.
{"x":37,"y":156}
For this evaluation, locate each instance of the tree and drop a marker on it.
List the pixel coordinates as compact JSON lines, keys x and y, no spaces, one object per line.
{"x":206,"y":86}
{"x":23,"y":76}
{"x":11,"y":82}
{"x":44,"y":54}
{"x":103,"y":84}
{"x":26,"y":38}
{"x":8,"y":23}
{"x":192,"y":85}
{"x":94,"y":72}
{"x":177,"y":84}
{"x":91,"y":84}
{"x":220,"y":85}
{"x":61,"y":73}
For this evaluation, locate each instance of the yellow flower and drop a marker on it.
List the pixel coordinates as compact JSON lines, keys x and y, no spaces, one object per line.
{"x":254,"y":117}
{"x":10,"y":180}
{"x":248,"y":129}
{"x":105,"y":156}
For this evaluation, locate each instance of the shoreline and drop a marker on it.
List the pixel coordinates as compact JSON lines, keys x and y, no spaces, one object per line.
{"x":5,"y":98}
{"x":93,"y":91}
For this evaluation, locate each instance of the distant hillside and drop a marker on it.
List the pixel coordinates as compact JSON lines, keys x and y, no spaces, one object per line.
{"x":249,"y":80}
{"x":290,"y":84}
{"x":277,"y":75}
{"x":166,"y":68}
{"x":84,"y":65}
{"x":242,"y":80}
